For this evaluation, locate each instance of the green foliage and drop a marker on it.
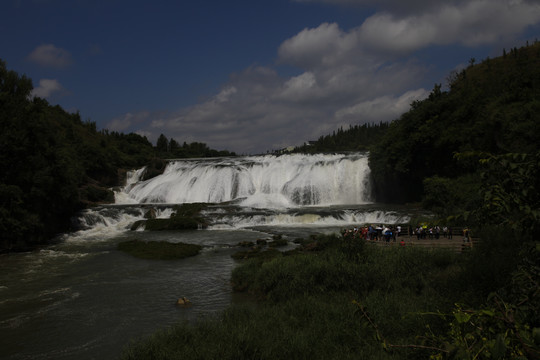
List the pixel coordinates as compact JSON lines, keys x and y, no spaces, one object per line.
{"x":53,"y":164}
{"x":96,"y":194}
{"x":507,"y":326}
{"x":303,"y":328}
{"x":171,"y":149}
{"x":162,"y":144}
{"x":503,"y":267}
{"x":158,"y":250}
{"x":336,"y":268}
{"x":510,"y":184}
{"x":489,"y":107}
{"x":448,"y":196}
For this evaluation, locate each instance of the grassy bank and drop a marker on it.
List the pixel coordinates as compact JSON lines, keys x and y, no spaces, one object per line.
{"x":337,"y":301}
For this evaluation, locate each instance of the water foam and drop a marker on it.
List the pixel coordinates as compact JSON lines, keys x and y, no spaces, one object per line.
{"x":334,"y":219}
{"x":100,"y":224}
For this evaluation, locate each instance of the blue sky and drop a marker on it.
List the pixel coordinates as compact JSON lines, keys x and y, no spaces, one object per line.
{"x":250,"y":76}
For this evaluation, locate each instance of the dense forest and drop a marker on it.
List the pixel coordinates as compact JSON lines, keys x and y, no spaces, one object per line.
{"x":492,"y":107}
{"x":54,"y":164}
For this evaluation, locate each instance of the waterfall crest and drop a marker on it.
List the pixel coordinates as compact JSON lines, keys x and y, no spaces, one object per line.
{"x":257,"y":181}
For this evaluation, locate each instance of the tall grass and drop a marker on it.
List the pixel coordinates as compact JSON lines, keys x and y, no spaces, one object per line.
{"x":323,"y":304}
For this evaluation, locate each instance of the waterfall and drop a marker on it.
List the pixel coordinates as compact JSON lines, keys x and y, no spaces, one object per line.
{"x":322,"y":190}
{"x":257,"y":181}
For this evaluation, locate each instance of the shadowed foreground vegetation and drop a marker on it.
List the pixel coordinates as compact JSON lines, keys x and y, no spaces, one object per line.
{"x":359,"y":301}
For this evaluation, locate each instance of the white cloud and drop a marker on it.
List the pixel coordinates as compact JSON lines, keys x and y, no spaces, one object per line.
{"x":325,"y":45}
{"x":46,"y":88}
{"x":299,"y":87}
{"x":474,"y":23}
{"x":225,"y":94}
{"x":384,"y":108}
{"x":393,"y":31}
{"x":48,"y":55}
{"x":126,"y":121}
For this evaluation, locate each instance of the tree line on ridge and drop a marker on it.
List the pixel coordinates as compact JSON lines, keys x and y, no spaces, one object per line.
{"x":55,"y":164}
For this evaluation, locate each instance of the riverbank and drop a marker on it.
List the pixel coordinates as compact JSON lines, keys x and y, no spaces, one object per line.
{"x":384,"y":302}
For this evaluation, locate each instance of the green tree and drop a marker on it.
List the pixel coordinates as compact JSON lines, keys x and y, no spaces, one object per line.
{"x":162,"y":145}
{"x":53,"y":164}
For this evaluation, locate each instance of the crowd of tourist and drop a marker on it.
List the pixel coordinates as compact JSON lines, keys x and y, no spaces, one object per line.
{"x":373,"y":233}
{"x":393,"y":232}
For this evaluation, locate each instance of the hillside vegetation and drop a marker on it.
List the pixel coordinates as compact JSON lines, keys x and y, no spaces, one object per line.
{"x":490,"y":108}
{"x":53,"y":163}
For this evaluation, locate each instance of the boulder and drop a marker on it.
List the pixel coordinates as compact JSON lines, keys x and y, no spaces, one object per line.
{"x":183,"y":301}
{"x":150,"y":214}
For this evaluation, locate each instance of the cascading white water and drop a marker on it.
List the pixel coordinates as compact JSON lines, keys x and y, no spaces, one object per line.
{"x":258,"y":181}
{"x":336,"y":218}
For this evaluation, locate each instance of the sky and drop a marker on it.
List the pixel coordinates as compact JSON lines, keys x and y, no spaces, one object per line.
{"x":251,"y":76}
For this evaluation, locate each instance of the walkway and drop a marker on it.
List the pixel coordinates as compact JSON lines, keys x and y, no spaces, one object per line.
{"x":455,"y":243}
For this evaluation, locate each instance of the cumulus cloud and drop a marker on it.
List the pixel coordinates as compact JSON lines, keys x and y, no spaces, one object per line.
{"x":298,"y":88}
{"x":469,"y":23}
{"x":474,"y":23}
{"x":46,"y":88}
{"x":325,"y":45}
{"x":48,"y":55}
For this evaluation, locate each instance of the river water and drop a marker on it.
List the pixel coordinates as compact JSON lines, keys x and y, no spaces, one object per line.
{"x":81,"y":298}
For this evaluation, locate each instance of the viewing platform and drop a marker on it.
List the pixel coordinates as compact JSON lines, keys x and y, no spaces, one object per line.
{"x":456,"y":243}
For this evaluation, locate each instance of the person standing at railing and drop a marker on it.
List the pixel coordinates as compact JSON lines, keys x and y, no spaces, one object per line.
{"x":466,"y":235}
